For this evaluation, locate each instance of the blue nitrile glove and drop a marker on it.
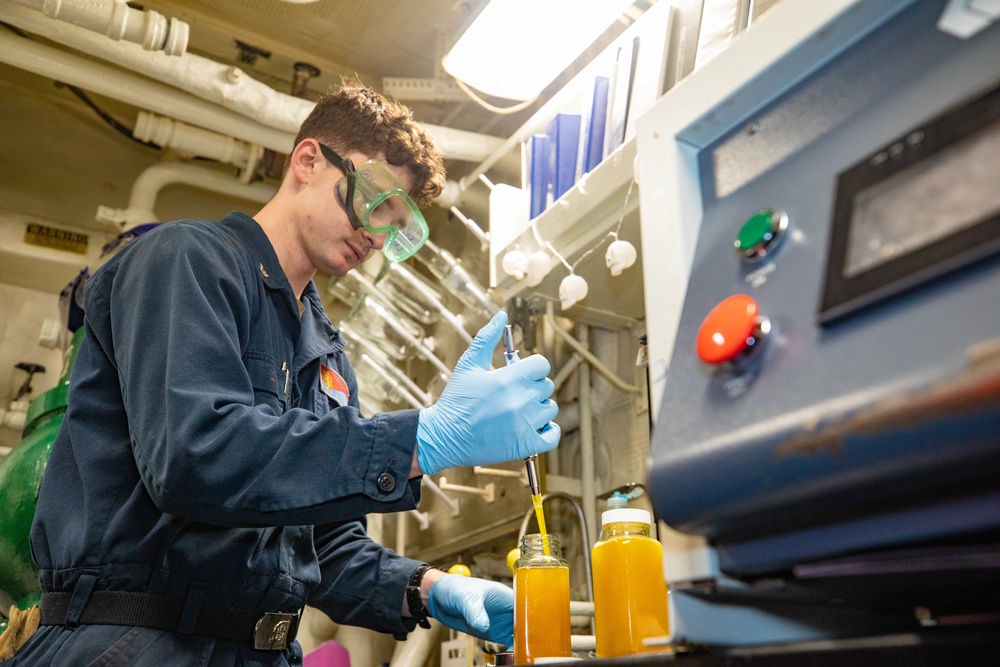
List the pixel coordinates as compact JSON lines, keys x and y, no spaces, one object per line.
{"x":478,"y":607}
{"x":485,"y":417}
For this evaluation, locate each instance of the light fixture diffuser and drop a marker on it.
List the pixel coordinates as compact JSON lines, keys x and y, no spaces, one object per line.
{"x":515,"y":48}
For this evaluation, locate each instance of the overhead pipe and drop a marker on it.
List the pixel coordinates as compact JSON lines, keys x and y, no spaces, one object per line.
{"x":132,"y":89}
{"x":195,"y":142}
{"x":113,"y":18}
{"x":222,"y":84}
{"x":225,"y":85}
{"x":152,"y":180}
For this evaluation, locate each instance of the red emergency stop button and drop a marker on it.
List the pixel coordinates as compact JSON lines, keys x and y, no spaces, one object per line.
{"x":732,"y":331}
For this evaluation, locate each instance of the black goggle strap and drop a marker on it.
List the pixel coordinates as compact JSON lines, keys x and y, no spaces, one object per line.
{"x":347,"y":167}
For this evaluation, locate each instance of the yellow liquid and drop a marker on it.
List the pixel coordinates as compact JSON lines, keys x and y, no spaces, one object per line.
{"x":630,"y":595}
{"x":540,"y":517}
{"x":541,"y":614}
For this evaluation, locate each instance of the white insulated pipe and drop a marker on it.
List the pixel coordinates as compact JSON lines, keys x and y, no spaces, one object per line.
{"x":147,"y":187}
{"x":152,"y":180}
{"x":224,"y":85}
{"x":195,"y":142}
{"x":113,"y":18}
{"x":132,"y":89}
{"x":221,"y":84}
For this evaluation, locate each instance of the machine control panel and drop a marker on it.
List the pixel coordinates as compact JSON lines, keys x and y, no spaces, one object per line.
{"x":836,"y":389}
{"x":925,"y":204}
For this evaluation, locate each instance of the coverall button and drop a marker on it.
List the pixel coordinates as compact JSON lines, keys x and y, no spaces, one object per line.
{"x":386,"y":482}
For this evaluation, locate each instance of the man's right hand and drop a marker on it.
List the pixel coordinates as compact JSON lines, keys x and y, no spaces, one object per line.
{"x":489,"y":416}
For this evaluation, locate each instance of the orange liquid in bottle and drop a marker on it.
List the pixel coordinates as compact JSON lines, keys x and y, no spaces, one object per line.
{"x":630,"y":595}
{"x":541,"y":614}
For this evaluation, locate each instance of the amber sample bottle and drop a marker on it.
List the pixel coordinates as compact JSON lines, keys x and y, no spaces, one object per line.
{"x":541,"y":601}
{"x":630,"y":593}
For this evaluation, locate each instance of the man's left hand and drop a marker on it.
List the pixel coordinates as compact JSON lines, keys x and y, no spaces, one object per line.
{"x":481,"y":608}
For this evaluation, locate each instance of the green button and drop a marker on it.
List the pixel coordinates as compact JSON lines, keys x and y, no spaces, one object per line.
{"x":756,"y":232}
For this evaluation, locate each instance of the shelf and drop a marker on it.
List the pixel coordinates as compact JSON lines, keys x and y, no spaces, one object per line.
{"x":580,"y":220}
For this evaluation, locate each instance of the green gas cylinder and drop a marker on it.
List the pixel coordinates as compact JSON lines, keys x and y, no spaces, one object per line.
{"x":20,"y":477}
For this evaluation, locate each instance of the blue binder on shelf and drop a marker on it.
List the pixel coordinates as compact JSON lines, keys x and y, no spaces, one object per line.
{"x":564,"y":145}
{"x":593,"y":151}
{"x":540,"y":177}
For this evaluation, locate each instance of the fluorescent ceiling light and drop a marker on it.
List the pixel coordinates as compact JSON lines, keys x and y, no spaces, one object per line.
{"x":515,"y":48}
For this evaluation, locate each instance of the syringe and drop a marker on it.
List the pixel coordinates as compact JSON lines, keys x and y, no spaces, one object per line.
{"x":509,"y":357}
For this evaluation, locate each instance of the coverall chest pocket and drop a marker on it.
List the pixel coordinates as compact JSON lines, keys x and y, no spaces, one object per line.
{"x":270,"y":381}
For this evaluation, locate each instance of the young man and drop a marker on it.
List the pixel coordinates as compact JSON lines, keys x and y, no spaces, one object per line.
{"x":213,"y":471}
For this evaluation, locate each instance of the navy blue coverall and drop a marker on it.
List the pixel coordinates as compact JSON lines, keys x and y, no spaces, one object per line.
{"x":208,"y":453}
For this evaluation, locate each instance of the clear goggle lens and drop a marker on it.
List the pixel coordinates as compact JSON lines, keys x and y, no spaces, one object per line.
{"x":382,"y":205}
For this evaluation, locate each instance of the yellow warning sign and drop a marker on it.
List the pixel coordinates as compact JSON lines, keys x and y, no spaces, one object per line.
{"x":57,"y":239}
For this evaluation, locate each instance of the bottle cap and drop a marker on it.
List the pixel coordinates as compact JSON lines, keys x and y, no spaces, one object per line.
{"x":628,"y":514}
{"x":618,"y":500}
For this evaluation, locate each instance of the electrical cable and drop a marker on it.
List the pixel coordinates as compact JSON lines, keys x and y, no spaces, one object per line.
{"x":110,"y":120}
{"x":521,"y":106}
{"x":17,"y":31}
{"x":105,"y":116}
{"x":613,"y":234}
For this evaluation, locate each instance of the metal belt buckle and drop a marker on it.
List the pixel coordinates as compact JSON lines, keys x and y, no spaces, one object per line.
{"x":274,"y":631}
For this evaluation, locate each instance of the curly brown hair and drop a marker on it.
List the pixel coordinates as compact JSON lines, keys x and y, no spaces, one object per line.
{"x":355,"y":117}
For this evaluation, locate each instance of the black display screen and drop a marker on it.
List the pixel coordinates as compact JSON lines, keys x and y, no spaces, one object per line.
{"x":944,"y":194}
{"x":921,"y":206}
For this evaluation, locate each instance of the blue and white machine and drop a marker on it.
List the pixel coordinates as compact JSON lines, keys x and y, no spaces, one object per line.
{"x":830,"y":421}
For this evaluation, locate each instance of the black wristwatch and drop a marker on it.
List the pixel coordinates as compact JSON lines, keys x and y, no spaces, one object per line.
{"x":416,"y":606}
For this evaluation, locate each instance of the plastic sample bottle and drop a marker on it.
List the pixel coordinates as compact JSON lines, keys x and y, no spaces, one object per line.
{"x":541,"y":601}
{"x":630,"y":593}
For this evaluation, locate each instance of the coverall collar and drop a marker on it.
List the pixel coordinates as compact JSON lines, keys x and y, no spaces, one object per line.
{"x":316,"y":336}
{"x":266,"y":260}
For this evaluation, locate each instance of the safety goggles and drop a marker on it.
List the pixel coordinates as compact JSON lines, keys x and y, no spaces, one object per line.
{"x":378,"y":202}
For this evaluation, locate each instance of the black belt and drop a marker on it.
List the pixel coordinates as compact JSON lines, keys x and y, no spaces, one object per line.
{"x":269,"y":631}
